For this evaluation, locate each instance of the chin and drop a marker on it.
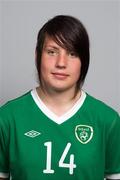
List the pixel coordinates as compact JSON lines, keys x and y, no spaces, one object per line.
{"x":61,"y":88}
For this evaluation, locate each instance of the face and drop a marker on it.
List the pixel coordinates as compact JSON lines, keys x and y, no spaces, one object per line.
{"x":60,"y":69}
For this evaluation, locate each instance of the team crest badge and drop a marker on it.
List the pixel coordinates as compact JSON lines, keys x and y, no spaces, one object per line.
{"x":84,"y":133}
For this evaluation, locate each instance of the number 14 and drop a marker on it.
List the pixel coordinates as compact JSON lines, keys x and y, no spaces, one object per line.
{"x":71,"y":164}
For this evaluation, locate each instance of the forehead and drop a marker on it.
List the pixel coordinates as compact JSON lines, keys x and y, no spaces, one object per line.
{"x":59,"y":41}
{"x":49,"y":41}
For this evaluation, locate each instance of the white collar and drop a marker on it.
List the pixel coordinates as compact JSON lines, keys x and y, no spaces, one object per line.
{"x":53,"y":116}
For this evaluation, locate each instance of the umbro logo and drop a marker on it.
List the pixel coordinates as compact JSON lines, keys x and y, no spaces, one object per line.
{"x":32,"y":133}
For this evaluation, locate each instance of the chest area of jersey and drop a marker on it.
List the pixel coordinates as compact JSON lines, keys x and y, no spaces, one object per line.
{"x":50,"y":148}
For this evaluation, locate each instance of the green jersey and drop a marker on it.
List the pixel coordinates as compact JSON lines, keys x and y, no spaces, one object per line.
{"x":36,"y":144}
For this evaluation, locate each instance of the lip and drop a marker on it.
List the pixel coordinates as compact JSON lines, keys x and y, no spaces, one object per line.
{"x":61,"y":76}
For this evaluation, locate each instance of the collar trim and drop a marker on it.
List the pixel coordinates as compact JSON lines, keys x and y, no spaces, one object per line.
{"x":53,"y":116}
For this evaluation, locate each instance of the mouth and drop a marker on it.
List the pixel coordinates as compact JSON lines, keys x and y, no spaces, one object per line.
{"x":60,"y":76}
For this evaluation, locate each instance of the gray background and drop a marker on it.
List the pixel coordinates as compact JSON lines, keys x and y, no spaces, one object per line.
{"x":20,"y":22}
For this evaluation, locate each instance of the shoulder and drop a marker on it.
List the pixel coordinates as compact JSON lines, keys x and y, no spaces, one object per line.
{"x":100,"y":109}
{"x":15,"y":105}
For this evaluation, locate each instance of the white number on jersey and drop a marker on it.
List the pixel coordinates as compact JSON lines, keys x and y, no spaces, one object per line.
{"x":69,"y":165}
{"x":48,"y":161}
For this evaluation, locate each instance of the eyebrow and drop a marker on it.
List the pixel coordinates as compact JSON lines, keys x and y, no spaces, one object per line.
{"x":52,"y":46}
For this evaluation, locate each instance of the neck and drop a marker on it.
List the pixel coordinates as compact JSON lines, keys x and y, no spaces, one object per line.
{"x":59,"y":102}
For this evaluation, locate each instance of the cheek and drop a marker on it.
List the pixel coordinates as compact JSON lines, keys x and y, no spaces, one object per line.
{"x":43,"y":68}
{"x":76,"y":69}
{"x":45,"y":65}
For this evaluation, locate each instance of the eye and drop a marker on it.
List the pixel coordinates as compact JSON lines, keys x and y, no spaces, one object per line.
{"x":51,"y":52}
{"x":73,"y":54}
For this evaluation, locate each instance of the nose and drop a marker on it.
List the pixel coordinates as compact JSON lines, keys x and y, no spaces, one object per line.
{"x":61,"y":61}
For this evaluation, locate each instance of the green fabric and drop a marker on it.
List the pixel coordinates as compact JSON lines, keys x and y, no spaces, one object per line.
{"x":88,"y":143}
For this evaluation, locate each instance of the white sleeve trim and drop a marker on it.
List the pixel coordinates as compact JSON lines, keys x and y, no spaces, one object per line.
{"x":113,"y":176}
{"x":4,"y":175}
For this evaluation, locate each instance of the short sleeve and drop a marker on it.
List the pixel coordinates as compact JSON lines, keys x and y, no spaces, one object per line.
{"x":4,"y":148}
{"x":112,"y":166}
